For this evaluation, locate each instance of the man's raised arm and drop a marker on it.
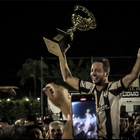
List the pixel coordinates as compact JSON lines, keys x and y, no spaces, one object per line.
{"x":130,"y":78}
{"x":66,"y":73}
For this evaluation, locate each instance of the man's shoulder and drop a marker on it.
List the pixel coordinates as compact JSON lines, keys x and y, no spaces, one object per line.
{"x":114,"y":84}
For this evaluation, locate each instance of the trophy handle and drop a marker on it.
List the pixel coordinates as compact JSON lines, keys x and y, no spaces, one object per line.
{"x":83,"y":18}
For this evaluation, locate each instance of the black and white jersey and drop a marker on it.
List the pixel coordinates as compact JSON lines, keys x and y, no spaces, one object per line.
{"x":108,"y":105}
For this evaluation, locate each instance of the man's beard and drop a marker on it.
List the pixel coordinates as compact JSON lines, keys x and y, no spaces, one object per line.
{"x":57,"y":136}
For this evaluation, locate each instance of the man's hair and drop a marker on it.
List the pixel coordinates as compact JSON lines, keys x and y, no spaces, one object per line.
{"x":131,"y":119}
{"x":124,"y":115}
{"x":105,"y":61}
{"x":61,"y":124}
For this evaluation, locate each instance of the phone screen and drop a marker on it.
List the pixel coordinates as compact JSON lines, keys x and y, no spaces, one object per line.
{"x":84,"y":118}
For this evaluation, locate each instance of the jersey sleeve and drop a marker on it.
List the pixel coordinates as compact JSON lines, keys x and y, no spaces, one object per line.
{"x":85,"y":87}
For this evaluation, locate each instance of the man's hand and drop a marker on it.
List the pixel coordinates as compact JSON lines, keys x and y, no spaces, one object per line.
{"x":138,"y":54}
{"x":100,"y":133}
{"x":67,"y":48}
{"x":8,"y":89}
{"x":58,"y":95}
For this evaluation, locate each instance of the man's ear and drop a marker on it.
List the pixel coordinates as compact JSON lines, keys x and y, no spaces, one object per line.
{"x":106,"y":74}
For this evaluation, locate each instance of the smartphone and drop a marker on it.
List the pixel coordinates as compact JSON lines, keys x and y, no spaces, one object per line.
{"x":83,"y":109}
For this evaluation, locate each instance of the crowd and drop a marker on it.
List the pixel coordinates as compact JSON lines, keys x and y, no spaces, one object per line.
{"x":32,"y":127}
{"x":36,"y":128}
{"x":129,"y":126}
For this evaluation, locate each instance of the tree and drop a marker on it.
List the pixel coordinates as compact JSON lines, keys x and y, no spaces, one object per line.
{"x":31,"y":69}
{"x":79,"y":67}
{"x":49,"y":71}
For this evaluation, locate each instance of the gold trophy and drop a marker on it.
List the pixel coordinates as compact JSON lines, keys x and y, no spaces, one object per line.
{"x":82,"y":20}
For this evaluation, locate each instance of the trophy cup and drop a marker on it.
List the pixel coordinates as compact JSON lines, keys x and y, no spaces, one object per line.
{"x":82,"y":20}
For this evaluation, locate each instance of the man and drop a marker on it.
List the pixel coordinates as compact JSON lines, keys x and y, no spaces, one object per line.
{"x":124,"y":127}
{"x":137,"y":126}
{"x":131,"y":125}
{"x":56,"y":129}
{"x":35,"y":132}
{"x":20,"y":122}
{"x":108,"y":93}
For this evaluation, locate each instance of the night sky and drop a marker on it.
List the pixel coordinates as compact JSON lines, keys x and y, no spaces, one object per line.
{"x":23,"y":25}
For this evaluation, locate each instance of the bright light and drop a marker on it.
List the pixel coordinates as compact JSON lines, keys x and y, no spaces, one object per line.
{"x":27,"y":99}
{"x":8,"y":99}
{"x":38,"y":99}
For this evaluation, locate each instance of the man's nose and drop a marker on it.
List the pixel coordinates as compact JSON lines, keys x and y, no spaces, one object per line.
{"x":93,"y":73}
{"x":124,"y":122}
{"x":55,"y":132}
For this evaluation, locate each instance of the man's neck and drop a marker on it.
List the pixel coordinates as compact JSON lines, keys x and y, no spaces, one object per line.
{"x":101,"y":87}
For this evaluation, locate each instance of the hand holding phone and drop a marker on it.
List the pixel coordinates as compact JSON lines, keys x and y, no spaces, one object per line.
{"x":83,"y":108}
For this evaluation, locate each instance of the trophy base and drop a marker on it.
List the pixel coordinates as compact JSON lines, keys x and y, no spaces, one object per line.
{"x":58,"y":44}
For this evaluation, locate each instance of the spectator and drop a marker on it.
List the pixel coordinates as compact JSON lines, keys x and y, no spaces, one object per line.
{"x":56,"y":129}
{"x":124,"y":126}
{"x":4,"y":122}
{"x":35,"y":132}
{"x":13,"y":132}
{"x":131,"y":125}
{"x":137,"y":127}
{"x":20,"y":122}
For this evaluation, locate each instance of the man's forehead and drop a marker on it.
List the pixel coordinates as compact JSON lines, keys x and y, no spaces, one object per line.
{"x":56,"y":126}
{"x":97,"y":64}
{"x":138,"y":118}
{"x":123,"y":118}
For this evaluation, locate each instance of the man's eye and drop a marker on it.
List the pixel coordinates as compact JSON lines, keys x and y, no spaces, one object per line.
{"x":58,"y":130}
{"x":52,"y":130}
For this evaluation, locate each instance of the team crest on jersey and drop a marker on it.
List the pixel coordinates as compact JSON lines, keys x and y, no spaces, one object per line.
{"x":103,"y":108}
{"x":105,"y":94}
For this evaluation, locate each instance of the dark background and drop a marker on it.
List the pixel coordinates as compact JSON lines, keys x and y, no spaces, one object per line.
{"x":23,"y":25}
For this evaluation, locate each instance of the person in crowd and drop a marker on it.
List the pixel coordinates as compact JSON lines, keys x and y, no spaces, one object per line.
{"x":22,"y":131}
{"x":20,"y":122}
{"x":56,"y":129}
{"x":88,"y":120}
{"x":49,"y":114}
{"x":59,"y":96}
{"x":31,"y":120}
{"x":4,"y":122}
{"x":46,"y":121}
{"x":124,"y":126}
{"x":13,"y":132}
{"x":137,"y":126}
{"x":131,"y":125}
{"x":108,"y":93}
{"x":77,"y":129}
{"x":60,"y":116}
{"x":35,"y":132}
